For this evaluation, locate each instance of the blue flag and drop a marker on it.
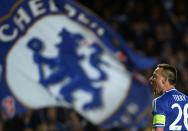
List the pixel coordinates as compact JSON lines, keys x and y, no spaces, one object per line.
{"x":57,"y":53}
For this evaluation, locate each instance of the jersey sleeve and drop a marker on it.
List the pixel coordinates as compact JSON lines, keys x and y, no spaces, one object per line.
{"x":159,"y":113}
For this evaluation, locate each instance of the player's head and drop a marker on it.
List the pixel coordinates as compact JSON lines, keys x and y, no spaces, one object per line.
{"x":169,"y":72}
{"x":164,"y":77}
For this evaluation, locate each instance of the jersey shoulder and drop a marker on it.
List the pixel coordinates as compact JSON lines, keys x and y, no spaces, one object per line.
{"x":159,"y":104}
{"x":163,"y":99}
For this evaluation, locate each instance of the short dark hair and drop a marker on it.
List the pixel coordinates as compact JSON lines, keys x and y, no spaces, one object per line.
{"x":169,"y":72}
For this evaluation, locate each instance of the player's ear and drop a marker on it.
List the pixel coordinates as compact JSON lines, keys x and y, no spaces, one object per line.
{"x":164,"y":80}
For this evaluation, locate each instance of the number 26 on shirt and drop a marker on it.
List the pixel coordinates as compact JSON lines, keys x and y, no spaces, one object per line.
{"x":181,"y":112}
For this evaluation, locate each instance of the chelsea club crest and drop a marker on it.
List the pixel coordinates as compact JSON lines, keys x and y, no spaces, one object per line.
{"x":59,"y":59}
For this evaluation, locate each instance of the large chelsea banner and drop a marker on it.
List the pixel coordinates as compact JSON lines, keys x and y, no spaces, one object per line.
{"x":57,"y":53}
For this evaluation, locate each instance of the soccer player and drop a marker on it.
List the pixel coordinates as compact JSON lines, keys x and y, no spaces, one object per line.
{"x":170,"y":108}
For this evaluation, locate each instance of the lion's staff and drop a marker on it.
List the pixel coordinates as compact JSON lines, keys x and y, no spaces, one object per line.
{"x":36,"y":46}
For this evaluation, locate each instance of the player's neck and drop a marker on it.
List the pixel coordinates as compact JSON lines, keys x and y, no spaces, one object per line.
{"x":168,"y":88}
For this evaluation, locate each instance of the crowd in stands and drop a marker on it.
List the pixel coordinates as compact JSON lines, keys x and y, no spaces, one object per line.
{"x":153,"y":28}
{"x":157,"y":28}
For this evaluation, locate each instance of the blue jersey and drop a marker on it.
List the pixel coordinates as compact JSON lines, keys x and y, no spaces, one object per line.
{"x":170,"y":111}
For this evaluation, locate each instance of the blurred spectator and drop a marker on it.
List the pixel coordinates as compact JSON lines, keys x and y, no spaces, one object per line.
{"x":14,"y":124}
{"x":31,"y":120}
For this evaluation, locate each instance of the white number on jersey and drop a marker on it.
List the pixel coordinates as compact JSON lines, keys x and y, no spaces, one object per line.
{"x":181,"y":113}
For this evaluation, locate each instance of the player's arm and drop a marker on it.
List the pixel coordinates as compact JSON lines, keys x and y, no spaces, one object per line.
{"x":158,"y":129}
{"x":158,"y":122}
{"x":159,"y":117}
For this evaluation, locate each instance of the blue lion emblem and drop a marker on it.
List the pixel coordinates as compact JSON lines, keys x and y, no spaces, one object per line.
{"x":66,"y":64}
